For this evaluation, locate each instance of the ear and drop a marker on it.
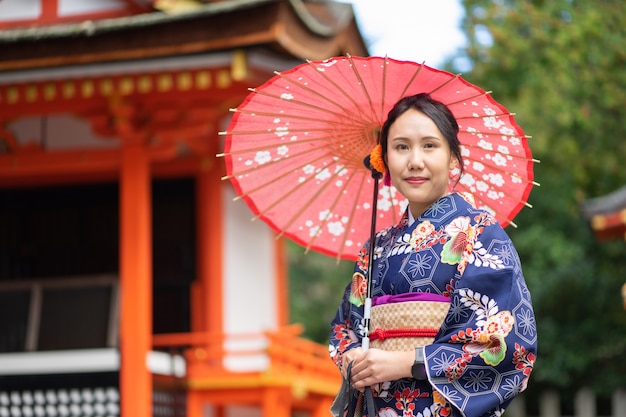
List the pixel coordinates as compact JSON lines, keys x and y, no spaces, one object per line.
{"x":453,"y":163}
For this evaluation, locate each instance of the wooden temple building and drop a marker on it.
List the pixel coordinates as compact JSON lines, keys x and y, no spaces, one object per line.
{"x":607,"y":217}
{"x":131,"y":284}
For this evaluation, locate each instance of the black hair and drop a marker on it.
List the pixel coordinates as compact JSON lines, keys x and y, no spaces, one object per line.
{"x":435,"y":110}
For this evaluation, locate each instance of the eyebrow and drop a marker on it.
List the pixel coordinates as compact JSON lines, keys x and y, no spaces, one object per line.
{"x":420,"y":139}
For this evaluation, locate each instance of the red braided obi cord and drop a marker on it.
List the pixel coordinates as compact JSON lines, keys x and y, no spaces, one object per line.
{"x":382,"y":334}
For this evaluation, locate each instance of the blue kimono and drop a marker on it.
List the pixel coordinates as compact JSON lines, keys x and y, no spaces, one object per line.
{"x":484,"y":352}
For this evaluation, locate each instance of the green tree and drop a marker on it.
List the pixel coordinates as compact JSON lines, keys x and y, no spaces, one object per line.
{"x":316,"y":285}
{"x":559,"y":65}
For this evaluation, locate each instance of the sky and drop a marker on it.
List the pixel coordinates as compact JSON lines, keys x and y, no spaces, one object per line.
{"x":415,"y":30}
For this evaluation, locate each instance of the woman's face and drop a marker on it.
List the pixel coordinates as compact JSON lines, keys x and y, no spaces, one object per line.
{"x":419,"y":160}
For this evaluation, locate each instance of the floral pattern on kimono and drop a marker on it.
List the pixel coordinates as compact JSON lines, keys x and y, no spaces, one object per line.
{"x":485,"y":350}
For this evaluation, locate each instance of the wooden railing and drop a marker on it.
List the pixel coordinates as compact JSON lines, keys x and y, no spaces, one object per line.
{"x":281,"y":352}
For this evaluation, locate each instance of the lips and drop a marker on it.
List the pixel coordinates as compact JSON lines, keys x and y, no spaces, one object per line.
{"x":416,"y":180}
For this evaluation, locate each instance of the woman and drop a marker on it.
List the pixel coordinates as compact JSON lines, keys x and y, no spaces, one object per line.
{"x":483,"y":353}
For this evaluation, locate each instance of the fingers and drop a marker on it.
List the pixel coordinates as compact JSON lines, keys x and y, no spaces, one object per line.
{"x":375,"y":366}
{"x":349,"y":357}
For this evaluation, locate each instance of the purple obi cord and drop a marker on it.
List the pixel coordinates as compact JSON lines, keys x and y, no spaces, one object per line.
{"x":409,"y":296}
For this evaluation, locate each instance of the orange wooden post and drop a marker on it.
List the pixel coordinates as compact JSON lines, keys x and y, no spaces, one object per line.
{"x":210,"y":226}
{"x":322,"y":409}
{"x":282,"y":282}
{"x":194,"y":404}
{"x":136,"y":282}
{"x":276,"y":402}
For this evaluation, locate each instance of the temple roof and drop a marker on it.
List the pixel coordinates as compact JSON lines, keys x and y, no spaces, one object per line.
{"x":304,"y":29}
{"x":607,"y":214}
{"x":605,"y":204}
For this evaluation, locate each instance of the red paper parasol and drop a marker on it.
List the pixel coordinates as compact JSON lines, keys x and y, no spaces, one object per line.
{"x":295,"y":147}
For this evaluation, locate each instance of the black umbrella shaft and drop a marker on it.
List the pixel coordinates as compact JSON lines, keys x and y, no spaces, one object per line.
{"x":368,"y":300}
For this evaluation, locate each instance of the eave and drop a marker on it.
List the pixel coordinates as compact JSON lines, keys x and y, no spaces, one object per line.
{"x":290,"y":26}
{"x":607,"y":215}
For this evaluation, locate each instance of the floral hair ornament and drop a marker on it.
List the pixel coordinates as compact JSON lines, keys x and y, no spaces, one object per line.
{"x":376,"y":159}
{"x":378,"y":164}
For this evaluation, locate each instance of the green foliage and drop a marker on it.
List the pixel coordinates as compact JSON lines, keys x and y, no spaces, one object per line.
{"x":316,"y":285}
{"x":559,"y":66}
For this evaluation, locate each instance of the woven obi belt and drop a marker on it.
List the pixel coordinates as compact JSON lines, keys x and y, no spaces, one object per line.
{"x":406,"y":321}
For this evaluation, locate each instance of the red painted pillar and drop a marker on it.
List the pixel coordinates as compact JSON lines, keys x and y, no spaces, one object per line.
{"x":136,"y":281}
{"x":276,"y":402}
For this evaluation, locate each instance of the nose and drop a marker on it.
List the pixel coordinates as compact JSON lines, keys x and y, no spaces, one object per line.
{"x":416,"y":160}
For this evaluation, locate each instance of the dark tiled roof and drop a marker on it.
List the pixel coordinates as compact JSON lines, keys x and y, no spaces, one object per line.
{"x":341,"y":13}
{"x":606,"y":204}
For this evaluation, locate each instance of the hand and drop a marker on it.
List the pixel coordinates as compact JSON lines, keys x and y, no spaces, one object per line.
{"x":348,"y":357}
{"x":374,"y":366}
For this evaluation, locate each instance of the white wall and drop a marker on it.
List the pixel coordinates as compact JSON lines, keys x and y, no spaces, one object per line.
{"x":249,"y":299}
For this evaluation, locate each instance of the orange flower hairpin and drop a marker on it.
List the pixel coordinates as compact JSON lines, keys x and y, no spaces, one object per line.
{"x":376,"y":159}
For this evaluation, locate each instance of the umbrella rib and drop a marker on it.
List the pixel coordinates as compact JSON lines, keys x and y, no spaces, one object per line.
{"x":301,"y":103}
{"x":343,"y":92}
{"x":362,"y":84}
{"x":335,"y":103}
{"x":413,"y":77}
{"x":448,"y":81}
{"x":485,"y":116}
{"x":275,"y":146}
{"x":273,"y":161}
{"x":384,"y":89}
{"x":505,"y":172}
{"x":523,"y":158}
{"x":509,"y":220}
{"x":323,"y":188}
{"x":278,"y":200}
{"x":480,"y":94}
{"x":325,"y":139}
{"x":292,"y":116}
{"x":279,"y":161}
{"x":331,"y":207}
{"x":261,"y":132}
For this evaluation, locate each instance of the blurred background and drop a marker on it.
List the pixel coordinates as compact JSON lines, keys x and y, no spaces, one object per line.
{"x":560,"y":66}
{"x":131,"y":283}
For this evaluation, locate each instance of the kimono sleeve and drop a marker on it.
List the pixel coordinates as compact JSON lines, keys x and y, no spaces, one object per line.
{"x":485,"y":351}
{"x":347,"y":327}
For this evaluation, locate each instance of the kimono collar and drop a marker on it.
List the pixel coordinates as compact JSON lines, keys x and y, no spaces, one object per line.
{"x":411,"y":218}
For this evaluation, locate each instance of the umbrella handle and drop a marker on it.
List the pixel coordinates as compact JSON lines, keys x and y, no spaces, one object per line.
{"x":367,"y":308}
{"x":367,"y":312}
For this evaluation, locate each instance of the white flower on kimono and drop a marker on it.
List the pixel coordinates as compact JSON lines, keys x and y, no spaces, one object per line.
{"x":387,"y":412}
{"x":461,"y":241}
{"x":421,"y":232}
{"x":383,"y":388}
{"x":358,"y":289}
{"x":489,"y":342}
